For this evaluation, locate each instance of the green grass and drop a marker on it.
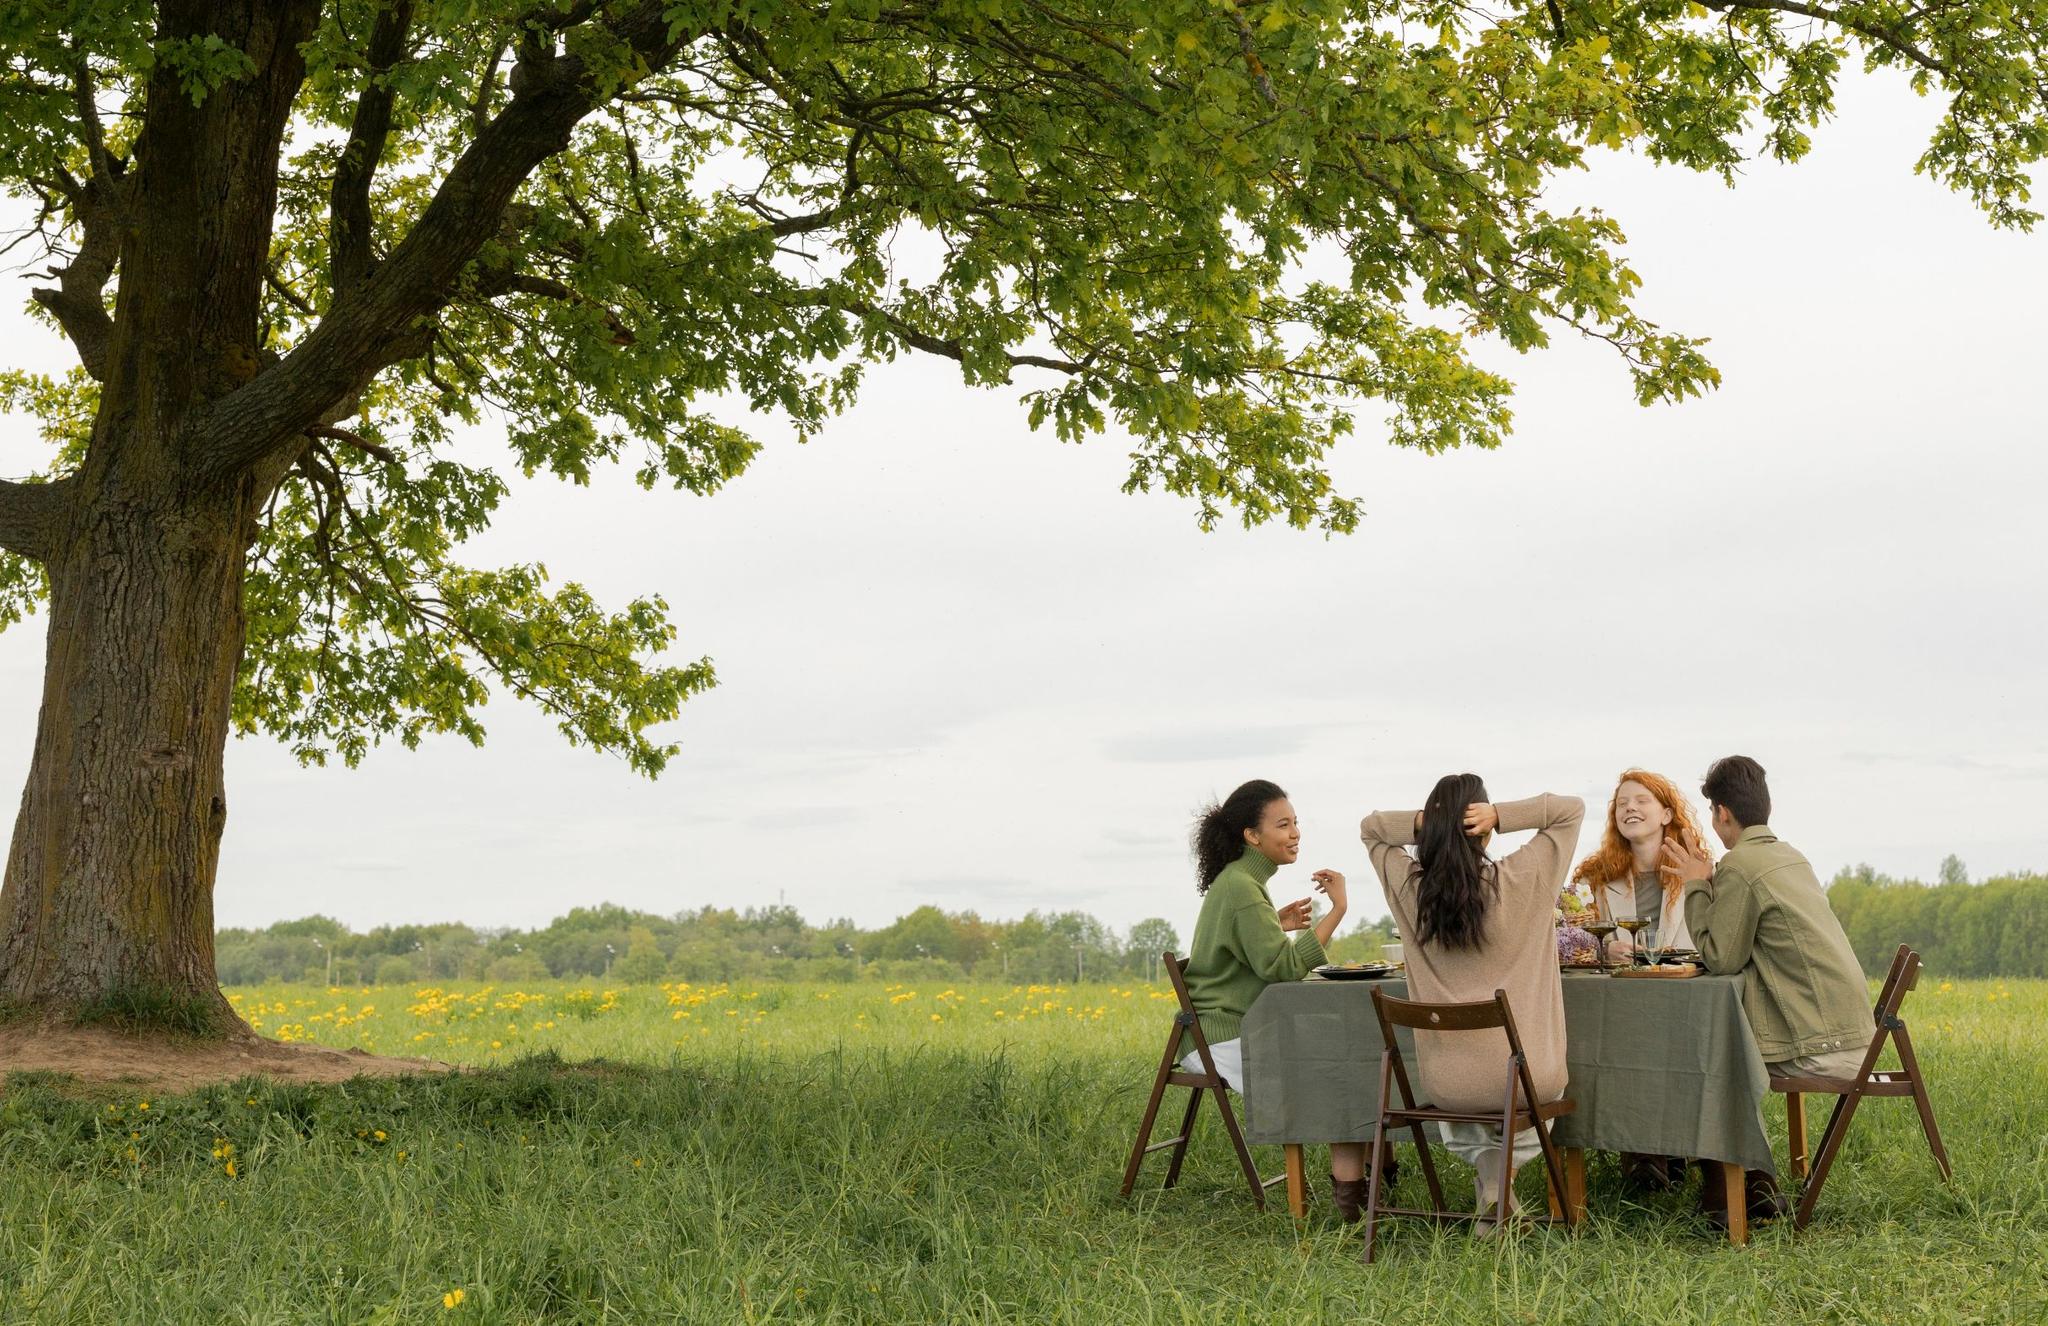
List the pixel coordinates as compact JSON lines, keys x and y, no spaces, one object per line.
{"x":837,"y":1154}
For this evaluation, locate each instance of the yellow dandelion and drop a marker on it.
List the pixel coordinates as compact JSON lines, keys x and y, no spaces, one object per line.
{"x":452,"y":1300}
{"x":141,"y":1104}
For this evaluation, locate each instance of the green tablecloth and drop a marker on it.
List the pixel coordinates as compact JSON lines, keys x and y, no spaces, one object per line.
{"x":1661,"y":1067}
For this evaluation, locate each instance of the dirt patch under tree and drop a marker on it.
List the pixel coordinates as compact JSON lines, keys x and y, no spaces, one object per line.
{"x":104,"y":1055}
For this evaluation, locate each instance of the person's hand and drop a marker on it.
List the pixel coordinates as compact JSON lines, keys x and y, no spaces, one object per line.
{"x":1331,"y":885}
{"x":1690,"y":862}
{"x":1481,"y":818}
{"x":1294,"y":916}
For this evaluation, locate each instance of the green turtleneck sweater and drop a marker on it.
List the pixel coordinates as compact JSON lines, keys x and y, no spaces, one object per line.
{"x":1239,"y":948}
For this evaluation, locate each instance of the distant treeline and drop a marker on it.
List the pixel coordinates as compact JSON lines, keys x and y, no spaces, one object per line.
{"x":1998,"y":927}
{"x":718,"y":944}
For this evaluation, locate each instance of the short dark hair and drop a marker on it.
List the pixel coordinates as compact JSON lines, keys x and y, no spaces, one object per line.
{"x":1736,"y":783}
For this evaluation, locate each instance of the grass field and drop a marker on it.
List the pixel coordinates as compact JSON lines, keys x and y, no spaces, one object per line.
{"x":927,"y":1154}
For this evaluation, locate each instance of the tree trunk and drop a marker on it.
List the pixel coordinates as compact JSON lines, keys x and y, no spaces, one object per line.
{"x":108,"y":893}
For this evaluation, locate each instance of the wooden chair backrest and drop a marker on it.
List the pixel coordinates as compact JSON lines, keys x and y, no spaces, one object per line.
{"x":1418,"y":1016}
{"x":1489,"y":1015}
{"x":1903,"y":976}
{"x":1175,"y":966}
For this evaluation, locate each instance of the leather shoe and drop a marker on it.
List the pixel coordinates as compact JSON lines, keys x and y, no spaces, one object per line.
{"x":1349,"y":1194}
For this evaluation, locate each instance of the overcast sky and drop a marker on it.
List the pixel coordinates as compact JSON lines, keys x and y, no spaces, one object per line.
{"x":958,"y":666}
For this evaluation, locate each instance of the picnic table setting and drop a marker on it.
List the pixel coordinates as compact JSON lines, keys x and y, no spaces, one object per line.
{"x":1662,"y":1062}
{"x":1659,"y":1066}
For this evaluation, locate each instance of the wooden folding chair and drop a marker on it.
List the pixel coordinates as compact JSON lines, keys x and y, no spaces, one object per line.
{"x":1172,"y":1075}
{"x":1565,"y":1171}
{"x":1906,"y":1080}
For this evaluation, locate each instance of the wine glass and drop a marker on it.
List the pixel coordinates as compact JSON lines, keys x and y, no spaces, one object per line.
{"x":1635,"y":925}
{"x":1600,"y":930}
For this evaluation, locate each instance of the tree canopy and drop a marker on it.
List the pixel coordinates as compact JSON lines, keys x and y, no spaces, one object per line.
{"x":626,"y":229}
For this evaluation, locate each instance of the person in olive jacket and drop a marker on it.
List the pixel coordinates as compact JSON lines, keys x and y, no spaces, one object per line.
{"x":1762,"y":912}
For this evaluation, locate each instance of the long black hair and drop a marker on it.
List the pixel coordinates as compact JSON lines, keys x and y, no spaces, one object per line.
{"x":1458,"y":883}
{"x":1218,"y":838}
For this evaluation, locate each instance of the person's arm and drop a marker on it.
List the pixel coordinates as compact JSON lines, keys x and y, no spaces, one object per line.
{"x":1265,"y":948}
{"x":1722,"y":914}
{"x":1387,"y":835}
{"x":1333,"y":887}
{"x":1547,"y":856}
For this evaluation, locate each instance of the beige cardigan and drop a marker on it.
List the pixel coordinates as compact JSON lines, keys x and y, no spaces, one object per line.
{"x":1518,"y":953}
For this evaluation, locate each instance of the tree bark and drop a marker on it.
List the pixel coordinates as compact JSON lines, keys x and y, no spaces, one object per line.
{"x":108,"y":888}
{"x":109,"y":882}
{"x":109,"y":879}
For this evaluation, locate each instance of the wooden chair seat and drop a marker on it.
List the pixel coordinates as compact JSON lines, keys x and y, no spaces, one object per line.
{"x":1564,"y":1170}
{"x":1187,"y":1025}
{"x":1905,"y":1080}
{"x":1878,"y":1084}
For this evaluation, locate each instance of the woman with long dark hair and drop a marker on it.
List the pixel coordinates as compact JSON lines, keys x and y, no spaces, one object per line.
{"x":1241,"y":942}
{"x":1473,"y":925}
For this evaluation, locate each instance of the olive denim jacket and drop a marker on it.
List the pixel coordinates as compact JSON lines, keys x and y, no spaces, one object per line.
{"x":1765,"y":914}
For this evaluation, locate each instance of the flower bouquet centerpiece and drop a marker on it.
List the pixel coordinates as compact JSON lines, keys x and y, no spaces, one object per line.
{"x":1575,"y":946}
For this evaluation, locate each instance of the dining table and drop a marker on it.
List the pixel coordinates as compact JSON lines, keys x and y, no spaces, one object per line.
{"x":1658,"y":1066}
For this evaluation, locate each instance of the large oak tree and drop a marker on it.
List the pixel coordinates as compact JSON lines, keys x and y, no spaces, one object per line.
{"x":296,"y":244}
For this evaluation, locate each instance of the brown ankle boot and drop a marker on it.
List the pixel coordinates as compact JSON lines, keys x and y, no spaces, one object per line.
{"x":1349,"y":1195}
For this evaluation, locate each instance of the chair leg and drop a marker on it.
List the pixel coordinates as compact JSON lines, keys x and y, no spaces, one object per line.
{"x":1372,"y":1182}
{"x":1436,"y":1187}
{"x":1244,"y":1153}
{"x":1795,"y":1132}
{"x":1824,"y":1157}
{"x":1556,"y":1185}
{"x":1187,"y":1132}
{"x":1505,"y":1197}
{"x":1911,"y":1064}
{"x":1145,"y":1128}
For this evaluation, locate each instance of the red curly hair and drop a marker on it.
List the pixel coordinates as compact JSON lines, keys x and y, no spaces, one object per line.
{"x":1615,"y":860}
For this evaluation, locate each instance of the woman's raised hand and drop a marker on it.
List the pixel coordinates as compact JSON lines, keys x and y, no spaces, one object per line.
{"x":1331,"y":885}
{"x":1481,"y":818}
{"x":1293,"y":916}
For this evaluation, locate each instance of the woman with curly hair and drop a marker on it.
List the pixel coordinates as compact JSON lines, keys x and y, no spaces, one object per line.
{"x":1627,"y":874}
{"x":1242,"y":942}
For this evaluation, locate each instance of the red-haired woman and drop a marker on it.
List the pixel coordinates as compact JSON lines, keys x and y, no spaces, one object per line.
{"x":1627,"y":874}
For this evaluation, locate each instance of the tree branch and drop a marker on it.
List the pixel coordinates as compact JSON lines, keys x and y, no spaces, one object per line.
{"x":76,"y":300}
{"x":387,"y":316}
{"x":32,"y":515}
{"x":541,"y":287}
{"x":1882,"y":33}
{"x":349,"y":225}
{"x":945,"y":347}
{"x":356,"y":440}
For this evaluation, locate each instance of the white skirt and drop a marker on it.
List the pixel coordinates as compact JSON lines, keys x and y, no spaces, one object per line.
{"x":1228,"y":1058}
